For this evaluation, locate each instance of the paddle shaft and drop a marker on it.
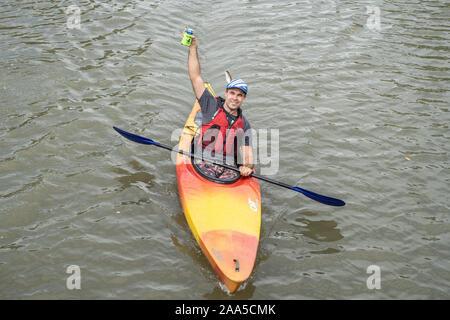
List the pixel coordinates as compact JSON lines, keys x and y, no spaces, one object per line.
{"x":189,"y":154}
{"x":315,"y":196}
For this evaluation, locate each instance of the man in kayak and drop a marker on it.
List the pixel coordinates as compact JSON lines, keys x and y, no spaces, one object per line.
{"x":224,"y":128}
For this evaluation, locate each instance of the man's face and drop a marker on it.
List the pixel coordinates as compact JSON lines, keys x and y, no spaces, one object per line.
{"x":234,"y":98}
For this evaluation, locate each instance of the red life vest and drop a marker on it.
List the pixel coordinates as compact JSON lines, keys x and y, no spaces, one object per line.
{"x":217,"y":136}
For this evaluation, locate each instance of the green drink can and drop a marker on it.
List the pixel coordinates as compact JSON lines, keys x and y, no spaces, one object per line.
{"x":186,"y":41}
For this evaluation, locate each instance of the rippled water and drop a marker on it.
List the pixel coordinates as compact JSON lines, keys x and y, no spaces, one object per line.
{"x":362,"y":114}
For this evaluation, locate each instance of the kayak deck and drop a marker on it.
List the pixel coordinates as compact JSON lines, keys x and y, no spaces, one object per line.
{"x":225,"y":219}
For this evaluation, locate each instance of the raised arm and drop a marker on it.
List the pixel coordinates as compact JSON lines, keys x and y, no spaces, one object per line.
{"x":194,"y":70}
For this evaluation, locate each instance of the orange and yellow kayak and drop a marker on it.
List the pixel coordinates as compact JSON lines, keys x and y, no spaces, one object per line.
{"x":224,"y":218}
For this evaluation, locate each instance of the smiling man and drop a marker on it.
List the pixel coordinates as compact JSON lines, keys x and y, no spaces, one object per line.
{"x":224,"y":128}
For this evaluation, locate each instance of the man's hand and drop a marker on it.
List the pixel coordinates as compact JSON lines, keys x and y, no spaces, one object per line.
{"x":247,"y":156}
{"x":193,"y":42}
{"x":245,"y":171}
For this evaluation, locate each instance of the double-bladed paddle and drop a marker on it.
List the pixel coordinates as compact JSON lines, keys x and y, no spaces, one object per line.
{"x":315,"y":196}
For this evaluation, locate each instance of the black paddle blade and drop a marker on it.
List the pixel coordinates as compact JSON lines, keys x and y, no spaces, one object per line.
{"x":320,"y":198}
{"x":135,"y":137}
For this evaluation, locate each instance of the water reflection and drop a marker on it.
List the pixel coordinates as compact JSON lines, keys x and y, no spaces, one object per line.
{"x":292,"y":228}
{"x":322,"y":230}
{"x":128,"y":179}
